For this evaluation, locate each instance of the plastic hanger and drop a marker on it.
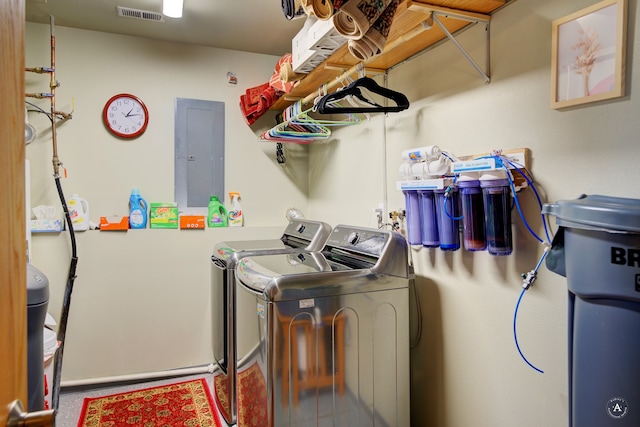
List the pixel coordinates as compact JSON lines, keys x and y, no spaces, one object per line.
{"x":326,"y":105}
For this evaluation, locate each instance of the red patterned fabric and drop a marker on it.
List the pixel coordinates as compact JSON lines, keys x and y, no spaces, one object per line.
{"x":276,"y":80}
{"x":257,"y":100}
{"x":252,"y":397}
{"x":375,"y":38}
{"x":355,"y":17}
{"x":182,"y":404}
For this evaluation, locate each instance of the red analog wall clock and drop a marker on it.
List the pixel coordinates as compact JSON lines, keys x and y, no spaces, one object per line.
{"x":125,"y":116}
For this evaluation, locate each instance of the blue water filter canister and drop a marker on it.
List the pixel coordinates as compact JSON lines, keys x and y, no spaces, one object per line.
{"x":597,"y":248}
{"x":413,"y":217}
{"x":448,"y":212}
{"x":429,"y":219}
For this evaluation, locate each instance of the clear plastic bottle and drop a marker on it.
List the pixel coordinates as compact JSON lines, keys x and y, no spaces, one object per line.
{"x":137,"y":210}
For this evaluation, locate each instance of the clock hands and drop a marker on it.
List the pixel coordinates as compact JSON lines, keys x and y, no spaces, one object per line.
{"x":131,"y":115}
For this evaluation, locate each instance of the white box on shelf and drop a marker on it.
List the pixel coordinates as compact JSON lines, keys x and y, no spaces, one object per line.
{"x":313,"y":44}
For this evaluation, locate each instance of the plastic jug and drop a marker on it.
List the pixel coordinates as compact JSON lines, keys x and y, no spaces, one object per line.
{"x":79,"y":212}
{"x":217,"y":214}
{"x":235,"y":216}
{"x":137,"y":210}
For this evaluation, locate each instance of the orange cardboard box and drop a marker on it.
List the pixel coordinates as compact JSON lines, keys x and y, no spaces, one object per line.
{"x":191,"y":221}
{"x":114,"y":223}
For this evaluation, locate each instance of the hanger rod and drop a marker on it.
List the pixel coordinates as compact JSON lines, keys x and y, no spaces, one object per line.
{"x":354,"y":69}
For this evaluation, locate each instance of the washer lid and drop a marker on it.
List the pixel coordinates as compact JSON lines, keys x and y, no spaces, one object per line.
{"x":613,"y":214}
{"x":224,"y":250}
{"x":256,"y":271}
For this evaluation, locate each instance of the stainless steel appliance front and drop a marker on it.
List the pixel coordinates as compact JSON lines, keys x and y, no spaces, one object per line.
{"x":299,"y":233}
{"x":323,"y":338}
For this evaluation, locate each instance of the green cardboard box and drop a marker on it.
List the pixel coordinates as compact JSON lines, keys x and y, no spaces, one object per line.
{"x":163,"y":215}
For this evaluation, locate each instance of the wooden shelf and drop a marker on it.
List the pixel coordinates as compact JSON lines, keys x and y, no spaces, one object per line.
{"x":407,"y":37}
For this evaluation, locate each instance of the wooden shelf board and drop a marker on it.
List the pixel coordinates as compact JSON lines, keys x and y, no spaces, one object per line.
{"x":407,"y":37}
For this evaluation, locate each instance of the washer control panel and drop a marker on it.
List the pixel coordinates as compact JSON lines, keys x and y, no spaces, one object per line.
{"x":356,"y":239}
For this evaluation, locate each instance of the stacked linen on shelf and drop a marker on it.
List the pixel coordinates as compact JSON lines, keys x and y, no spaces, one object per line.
{"x":292,"y":9}
{"x":257,"y":100}
{"x":363,"y":24}
{"x":314,"y":43}
{"x":366,"y":24}
{"x":322,"y":9}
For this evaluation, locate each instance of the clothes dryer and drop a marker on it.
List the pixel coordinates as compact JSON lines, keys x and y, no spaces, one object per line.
{"x":323,"y":337}
{"x":299,"y":234}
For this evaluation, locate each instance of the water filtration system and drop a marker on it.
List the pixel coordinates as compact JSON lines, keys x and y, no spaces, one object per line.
{"x":445,"y":195}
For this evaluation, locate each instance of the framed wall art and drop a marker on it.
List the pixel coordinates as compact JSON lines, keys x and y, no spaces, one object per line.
{"x":588,"y":54}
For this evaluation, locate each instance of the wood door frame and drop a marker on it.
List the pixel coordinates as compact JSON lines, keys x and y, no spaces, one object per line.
{"x":13,"y":246}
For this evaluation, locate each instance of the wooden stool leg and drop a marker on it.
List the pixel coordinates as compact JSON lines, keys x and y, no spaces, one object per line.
{"x":285,"y":364}
{"x":340,"y":356}
{"x":294,"y":363}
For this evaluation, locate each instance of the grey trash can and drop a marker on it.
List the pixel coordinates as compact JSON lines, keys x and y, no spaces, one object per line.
{"x":597,"y":249}
{"x":37,"y":302}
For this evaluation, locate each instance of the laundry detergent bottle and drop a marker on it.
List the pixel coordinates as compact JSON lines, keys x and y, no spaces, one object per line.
{"x":236,"y":218}
{"x":79,"y":212}
{"x":137,"y":210}
{"x":217,"y":214}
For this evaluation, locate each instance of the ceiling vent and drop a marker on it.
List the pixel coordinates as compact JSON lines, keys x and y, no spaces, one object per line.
{"x":140,"y":14}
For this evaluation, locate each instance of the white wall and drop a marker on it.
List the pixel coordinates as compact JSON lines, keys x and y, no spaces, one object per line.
{"x":466,"y":369}
{"x":141,"y":298}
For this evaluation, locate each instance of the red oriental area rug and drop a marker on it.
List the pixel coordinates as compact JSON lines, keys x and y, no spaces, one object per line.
{"x":185,"y":404}
{"x":252,"y":397}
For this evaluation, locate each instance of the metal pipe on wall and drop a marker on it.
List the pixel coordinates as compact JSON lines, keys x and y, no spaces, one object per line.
{"x":178,"y":372}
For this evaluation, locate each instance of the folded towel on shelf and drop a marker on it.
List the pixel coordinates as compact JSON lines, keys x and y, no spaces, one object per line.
{"x":282,"y":68}
{"x":293,"y":9}
{"x":287,"y":74}
{"x":355,"y":17}
{"x":257,"y":100}
{"x":375,"y":38}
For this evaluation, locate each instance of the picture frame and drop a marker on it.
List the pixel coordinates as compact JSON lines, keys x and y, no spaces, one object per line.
{"x":588,"y":55}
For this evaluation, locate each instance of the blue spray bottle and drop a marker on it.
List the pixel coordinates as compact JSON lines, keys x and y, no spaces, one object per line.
{"x":137,"y":210}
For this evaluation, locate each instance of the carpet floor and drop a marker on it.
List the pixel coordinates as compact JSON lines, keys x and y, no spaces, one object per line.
{"x":70,"y":404}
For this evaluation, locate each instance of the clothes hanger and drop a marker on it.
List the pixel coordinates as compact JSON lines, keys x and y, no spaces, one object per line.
{"x":326,"y":104}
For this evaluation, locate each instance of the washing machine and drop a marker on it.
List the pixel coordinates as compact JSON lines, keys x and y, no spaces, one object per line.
{"x":323,"y":337}
{"x":298,"y":234}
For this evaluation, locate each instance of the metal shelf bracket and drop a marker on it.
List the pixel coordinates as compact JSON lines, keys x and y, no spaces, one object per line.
{"x":433,"y":17}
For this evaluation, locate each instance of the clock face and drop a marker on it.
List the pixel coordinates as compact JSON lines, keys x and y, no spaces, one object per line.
{"x":125,"y":116}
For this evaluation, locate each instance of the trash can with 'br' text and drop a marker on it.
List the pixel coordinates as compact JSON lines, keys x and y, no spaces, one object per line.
{"x":597,"y":248}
